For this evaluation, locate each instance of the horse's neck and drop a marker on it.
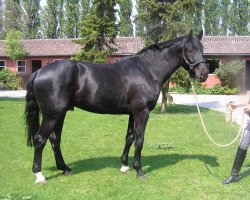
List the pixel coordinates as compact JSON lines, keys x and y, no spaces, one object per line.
{"x":164,"y":64}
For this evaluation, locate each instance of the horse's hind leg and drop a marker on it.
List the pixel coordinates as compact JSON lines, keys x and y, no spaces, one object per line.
{"x":140,"y":122}
{"x":55,"y":140}
{"x":129,"y":141}
{"x":39,"y":141}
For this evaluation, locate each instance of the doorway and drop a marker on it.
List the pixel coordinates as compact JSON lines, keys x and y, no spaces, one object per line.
{"x":247,"y":76}
{"x":36,"y":65}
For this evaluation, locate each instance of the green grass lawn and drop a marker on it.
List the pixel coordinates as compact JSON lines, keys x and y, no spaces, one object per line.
{"x":180,"y":161}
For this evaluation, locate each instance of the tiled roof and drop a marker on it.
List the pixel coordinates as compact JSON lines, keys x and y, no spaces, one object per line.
{"x":213,"y":45}
{"x":47,"y":47}
{"x":66,"y":47}
{"x":226,"y":45}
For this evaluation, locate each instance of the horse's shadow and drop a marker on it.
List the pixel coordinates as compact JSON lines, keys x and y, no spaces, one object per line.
{"x":154,"y":162}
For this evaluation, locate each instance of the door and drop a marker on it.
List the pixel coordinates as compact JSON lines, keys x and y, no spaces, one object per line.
{"x":36,"y":65}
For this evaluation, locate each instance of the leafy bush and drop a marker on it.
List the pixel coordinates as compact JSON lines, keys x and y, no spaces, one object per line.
{"x":10,"y":80}
{"x":181,"y":79}
{"x":229,"y":73}
{"x":200,"y":89}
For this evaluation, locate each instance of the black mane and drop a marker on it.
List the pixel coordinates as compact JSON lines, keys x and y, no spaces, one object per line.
{"x":159,"y":46}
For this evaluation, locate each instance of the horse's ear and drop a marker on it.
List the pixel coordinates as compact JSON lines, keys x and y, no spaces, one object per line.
{"x":199,"y":36}
{"x":190,"y":35}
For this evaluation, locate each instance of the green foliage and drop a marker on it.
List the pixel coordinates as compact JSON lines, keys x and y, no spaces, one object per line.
{"x":10,"y":80}
{"x":212,"y":17}
{"x":229,"y":73}
{"x":98,"y":30}
{"x":200,"y":89}
{"x":181,"y":79}
{"x":51,"y":18}
{"x":216,"y":90}
{"x":13,"y":46}
{"x":31,"y":17}
{"x":72,"y":9}
{"x":126,"y":28}
{"x":12,"y":16}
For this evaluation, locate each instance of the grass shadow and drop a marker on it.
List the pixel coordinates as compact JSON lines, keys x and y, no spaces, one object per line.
{"x":155,"y":162}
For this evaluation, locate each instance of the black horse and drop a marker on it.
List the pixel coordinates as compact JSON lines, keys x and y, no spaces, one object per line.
{"x":130,"y":86}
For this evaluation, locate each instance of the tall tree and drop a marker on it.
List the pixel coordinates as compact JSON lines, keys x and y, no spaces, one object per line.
{"x":85,"y":7}
{"x":225,"y":13}
{"x":126,"y":27}
{"x":31,"y":18}
{"x":1,"y":19}
{"x":139,"y":21}
{"x":50,"y":19}
{"x":61,"y":20}
{"x":244,"y":16}
{"x":72,"y":18}
{"x":12,"y":16}
{"x":212,"y":17}
{"x":98,"y":30}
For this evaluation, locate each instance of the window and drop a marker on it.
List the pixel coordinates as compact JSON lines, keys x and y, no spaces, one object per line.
{"x":21,"y":66}
{"x":2,"y":64}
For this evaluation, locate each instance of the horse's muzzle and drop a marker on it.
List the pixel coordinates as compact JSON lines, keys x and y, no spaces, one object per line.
{"x":201,"y":72}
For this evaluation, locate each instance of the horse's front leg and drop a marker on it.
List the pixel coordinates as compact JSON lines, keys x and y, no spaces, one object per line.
{"x":129,"y":140}
{"x":140,"y":122}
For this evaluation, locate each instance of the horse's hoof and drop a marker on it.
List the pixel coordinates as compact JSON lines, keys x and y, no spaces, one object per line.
{"x":124,"y":169}
{"x":41,"y":182}
{"x":142,"y":178}
{"x":40,"y":179}
{"x":68,"y":173}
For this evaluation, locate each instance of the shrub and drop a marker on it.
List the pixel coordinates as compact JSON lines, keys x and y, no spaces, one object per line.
{"x":200,"y":89}
{"x":229,"y":73}
{"x":10,"y":80}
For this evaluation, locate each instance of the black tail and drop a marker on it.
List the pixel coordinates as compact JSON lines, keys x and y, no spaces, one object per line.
{"x":31,"y":111}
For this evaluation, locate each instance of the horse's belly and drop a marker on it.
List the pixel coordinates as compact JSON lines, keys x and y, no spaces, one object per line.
{"x":104,"y":106}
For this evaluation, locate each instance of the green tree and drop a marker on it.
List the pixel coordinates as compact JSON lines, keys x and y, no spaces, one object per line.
{"x":234,"y":18}
{"x":1,"y":19}
{"x":126,"y":27}
{"x":85,"y":6}
{"x":244,"y":17}
{"x":50,"y":19}
{"x":31,"y":18}
{"x":13,"y":46}
{"x":139,"y":23}
{"x":225,"y":13}
{"x":12,"y":16}
{"x":72,"y":18}
{"x":212,"y":17}
{"x":229,"y":73}
{"x":98,"y":30}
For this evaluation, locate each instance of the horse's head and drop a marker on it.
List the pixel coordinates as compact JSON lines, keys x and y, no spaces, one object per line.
{"x":193,"y":60}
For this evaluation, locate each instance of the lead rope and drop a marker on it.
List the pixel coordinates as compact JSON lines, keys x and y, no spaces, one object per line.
{"x":204,"y":127}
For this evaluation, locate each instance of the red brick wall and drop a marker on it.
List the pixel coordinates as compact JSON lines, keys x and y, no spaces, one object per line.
{"x":211,"y":81}
{"x":11,"y":65}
